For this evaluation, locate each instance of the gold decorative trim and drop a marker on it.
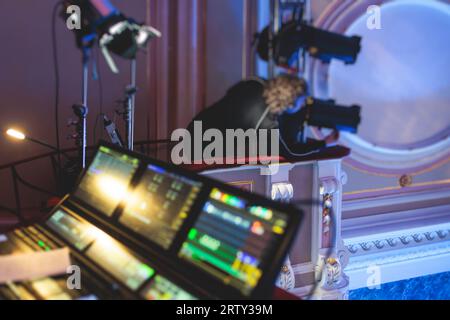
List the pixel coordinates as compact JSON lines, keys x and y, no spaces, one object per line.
{"x":422,"y":184}
{"x":397,"y":175}
{"x":242,"y":184}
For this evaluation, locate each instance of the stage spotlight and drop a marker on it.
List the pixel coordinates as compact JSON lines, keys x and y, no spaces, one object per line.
{"x":115,"y":33}
{"x":327,"y":114}
{"x":320,"y":44}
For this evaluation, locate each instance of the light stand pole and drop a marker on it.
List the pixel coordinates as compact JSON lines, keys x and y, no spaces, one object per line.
{"x":85,"y":110}
{"x":274,"y":28}
{"x":130,"y":106}
{"x":81,"y":111}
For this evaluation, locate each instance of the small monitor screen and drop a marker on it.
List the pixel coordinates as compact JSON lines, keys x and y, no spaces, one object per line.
{"x":158,"y":206}
{"x":233,"y":240}
{"x":162,"y":289}
{"x":75,"y":232}
{"x":119,"y":261}
{"x":107,"y":180}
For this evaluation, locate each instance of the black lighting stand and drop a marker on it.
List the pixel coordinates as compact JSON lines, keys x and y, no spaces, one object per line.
{"x":130,"y":107}
{"x":277,"y":10}
{"x":81,"y":110}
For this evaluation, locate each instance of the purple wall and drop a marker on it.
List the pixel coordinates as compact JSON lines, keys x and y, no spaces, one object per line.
{"x":27,"y":82}
{"x":27,"y":85}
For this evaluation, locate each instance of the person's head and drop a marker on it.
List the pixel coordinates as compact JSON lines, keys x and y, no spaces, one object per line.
{"x":282,"y":93}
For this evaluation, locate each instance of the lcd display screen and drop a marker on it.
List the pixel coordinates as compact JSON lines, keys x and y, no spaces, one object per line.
{"x":233,"y":240}
{"x":162,"y":289}
{"x":159,"y":205}
{"x":119,"y":261}
{"x":77,"y":233}
{"x":107,"y":180}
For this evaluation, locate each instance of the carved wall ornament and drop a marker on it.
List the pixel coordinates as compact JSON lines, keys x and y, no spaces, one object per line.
{"x":419,"y":238}
{"x":392,"y":242}
{"x":380,"y":244}
{"x":399,"y":256}
{"x":406,"y":181}
{"x":366,"y":246}
{"x":333,"y":276}
{"x":353,"y":248}
{"x":430,"y":236}
{"x":283,"y":192}
{"x":343,"y":256}
{"x":286,"y":279}
{"x":405,"y":240}
{"x":442,"y":234}
{"x":327,"y":205}
{"x":329,"y":186}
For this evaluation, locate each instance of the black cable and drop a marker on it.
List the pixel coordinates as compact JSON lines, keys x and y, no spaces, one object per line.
{"x":100,"y":96}
{"x":96,"y":126}
{"x":57,"y":80}
{"x":100,"y":82}
{"x":9,"y":210}
{"x":34,"y":187}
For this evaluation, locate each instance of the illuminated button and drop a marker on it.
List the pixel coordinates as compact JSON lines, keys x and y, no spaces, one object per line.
{"x":193,"y":234}
{"x":33,"y":230}
{"x":146,"y":271}
{"x":60,"y":297}
{"x":21,"y":292}
{"x":262,"y":213}
{"x":216,"y":194}
{"x":183,"y":215}
{"x":280,"y":223}
{"x":88,"y":298}
{"x":46,"y":288}
{"x":210,"y":243}
{"x":257,"y":228}
{"x":278,"y":230}
{"x":105,"y":150}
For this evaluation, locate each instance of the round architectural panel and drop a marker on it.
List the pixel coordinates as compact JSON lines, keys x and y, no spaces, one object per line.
{"x":401,"y":79}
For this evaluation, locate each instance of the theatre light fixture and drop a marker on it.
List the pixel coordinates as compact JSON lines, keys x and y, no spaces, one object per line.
{"x":321,"y":44}
{"x":103,"y":23}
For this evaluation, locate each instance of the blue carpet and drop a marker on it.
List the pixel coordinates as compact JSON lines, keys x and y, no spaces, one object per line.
{"x":434,"y":287}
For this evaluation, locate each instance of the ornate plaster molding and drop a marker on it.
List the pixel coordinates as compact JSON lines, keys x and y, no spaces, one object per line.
{"x":408,"y":238}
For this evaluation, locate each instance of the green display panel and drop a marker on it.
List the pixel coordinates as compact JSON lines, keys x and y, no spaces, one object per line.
{"x":77,"y":233}
{"x":232,"y":239}
{"x":119,"y":261}
{"x":159,"y":205}
{"x":107,"y":180}
{"x":162,"y":289}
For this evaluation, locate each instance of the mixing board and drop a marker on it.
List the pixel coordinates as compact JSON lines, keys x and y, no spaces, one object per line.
{"x":138,"y":228}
